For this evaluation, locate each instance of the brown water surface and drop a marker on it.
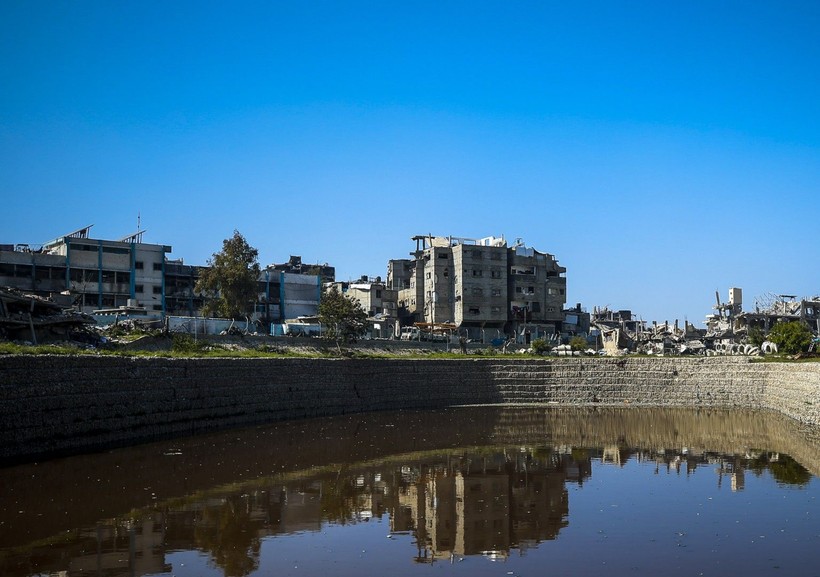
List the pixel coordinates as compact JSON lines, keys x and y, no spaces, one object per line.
{"x":470,"y":491}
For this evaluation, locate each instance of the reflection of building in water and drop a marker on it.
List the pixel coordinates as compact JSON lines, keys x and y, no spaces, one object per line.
{"x":488,"y":505}
{"x":455,"y":505}
{"x":298,"y":509}
{"x":131,"y":548}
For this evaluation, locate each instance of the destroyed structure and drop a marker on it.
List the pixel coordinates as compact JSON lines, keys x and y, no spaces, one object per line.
{"x":726,"y":333}
{"x":27,"y":317}
{"x":730,"y":320}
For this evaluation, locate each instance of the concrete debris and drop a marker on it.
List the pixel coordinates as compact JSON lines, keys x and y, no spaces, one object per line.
{"x":37,"y":319}
{"x":727,"y":330}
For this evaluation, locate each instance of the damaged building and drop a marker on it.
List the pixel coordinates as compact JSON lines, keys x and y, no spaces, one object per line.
{"x":482,"y":287}
{"x":730,"y":321}
{"x":100,"y":274}
{"x":32,"y":318}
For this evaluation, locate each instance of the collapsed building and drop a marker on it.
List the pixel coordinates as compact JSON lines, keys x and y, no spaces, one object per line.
{"x":730,"y":321}
{"x":621,"y":331}
{"x":32,"y":318}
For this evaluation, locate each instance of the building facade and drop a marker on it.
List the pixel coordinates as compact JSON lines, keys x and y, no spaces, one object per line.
{"x":482,"y":286}
{"x":101,"y":274}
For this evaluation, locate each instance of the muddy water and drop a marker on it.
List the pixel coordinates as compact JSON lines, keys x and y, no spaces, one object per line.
{"x":473,"y":491}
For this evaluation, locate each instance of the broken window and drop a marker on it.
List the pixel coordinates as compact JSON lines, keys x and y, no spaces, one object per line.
{"x":477,"y":272}
{"x":496,"y":292}
{"x":475,"y":311}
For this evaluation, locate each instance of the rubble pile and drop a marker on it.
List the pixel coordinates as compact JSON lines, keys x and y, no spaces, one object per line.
{"x":34,"y":319}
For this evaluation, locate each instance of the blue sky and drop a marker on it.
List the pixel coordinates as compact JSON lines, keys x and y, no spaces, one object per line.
{"x":660,"y":150}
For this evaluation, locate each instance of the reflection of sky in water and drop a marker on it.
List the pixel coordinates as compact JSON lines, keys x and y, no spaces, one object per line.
{"x":522,"y":508}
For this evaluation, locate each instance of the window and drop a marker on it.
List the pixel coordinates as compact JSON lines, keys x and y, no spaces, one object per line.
{"x":157,"y":266}
{"x":157,"y":307}
{"x":496,"y":274}
{"x":552,"y":291}
{"x":478,"y":291}
{"x":442,"y":255}
{"x":157,"y":290}
{"x":477,"y":272}
{"x":429,"y":274}
{"x":115,"y":250}
{"x":536,"y":307}
{"x":476,"y":254}
{"x":138,"y":265}
{"x":495,"y":310}
{"x":495,"y":255}
{"x":138,"y":288}
{"x":496,"y":292}
{"x":518,"y":290}
{"x":475,"y":311}
{"x":378,"y":294}
{"x":530,"y":290}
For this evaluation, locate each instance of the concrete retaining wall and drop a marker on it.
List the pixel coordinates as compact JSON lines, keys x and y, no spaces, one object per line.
{"x":55,"y":405}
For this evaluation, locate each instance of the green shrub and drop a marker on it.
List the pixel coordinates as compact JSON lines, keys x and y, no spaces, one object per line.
{"x":755,"y":336}
{"x":540,"y":346}
{"x":791,"y":338}
{"x":185,"y":343}
{"x":578,"y":343}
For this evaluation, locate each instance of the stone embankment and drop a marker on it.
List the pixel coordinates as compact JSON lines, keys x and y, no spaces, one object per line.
{"x":54,"y":405}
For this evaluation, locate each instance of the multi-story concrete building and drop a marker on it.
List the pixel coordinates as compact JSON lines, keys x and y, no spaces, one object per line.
{"x":131,"y":276}
{"x":287,"y":296}
{"x":482,"y":286}
{"x":101,"y":274}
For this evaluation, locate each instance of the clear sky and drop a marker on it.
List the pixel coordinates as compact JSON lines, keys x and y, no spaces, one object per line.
{"x":661,"y":150}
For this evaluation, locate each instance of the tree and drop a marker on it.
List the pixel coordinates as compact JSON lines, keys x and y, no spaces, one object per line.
{"x":343,"y":319}
{"x":791,"y":338}
{"x":755,"y":336}
{"x":231,"y":279}
{"x":578,"y":343}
